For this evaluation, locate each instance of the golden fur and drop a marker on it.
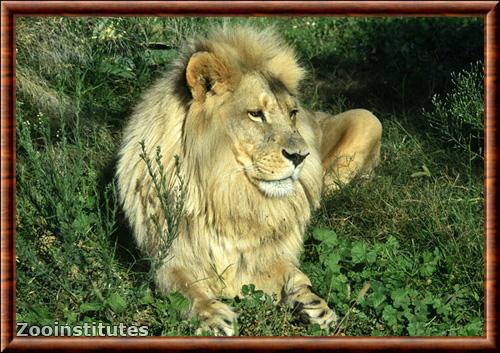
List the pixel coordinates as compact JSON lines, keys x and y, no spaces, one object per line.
{"x":253,"y":163}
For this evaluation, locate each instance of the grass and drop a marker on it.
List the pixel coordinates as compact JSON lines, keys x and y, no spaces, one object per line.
{"x":402,"y":254}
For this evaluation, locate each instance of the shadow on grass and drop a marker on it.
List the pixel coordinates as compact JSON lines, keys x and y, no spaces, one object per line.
{"x":126,"y":248}
{"x":395,"y":65}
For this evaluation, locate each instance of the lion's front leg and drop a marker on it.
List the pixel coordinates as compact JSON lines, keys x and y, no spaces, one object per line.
{"x":307,"y":306}
{"x":350,"y":145}
{"x":294,"y":288}
{"x":215,"y":316}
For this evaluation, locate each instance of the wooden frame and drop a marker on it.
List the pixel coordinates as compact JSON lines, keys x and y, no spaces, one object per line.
{"x":11,"y":9}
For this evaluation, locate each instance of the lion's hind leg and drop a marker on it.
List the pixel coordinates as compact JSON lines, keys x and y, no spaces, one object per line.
{"x":350,"y":146}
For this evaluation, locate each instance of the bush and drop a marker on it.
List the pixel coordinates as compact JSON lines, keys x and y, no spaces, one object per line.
{"x":458,"y":116}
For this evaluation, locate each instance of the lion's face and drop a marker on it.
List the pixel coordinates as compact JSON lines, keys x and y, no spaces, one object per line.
{"x":262,"y":117}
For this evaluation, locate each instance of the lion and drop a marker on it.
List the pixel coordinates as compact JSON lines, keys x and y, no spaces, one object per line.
{"x":254,"y":163}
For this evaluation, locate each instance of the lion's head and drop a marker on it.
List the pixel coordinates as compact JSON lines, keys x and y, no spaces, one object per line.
{"x":244,"y":85}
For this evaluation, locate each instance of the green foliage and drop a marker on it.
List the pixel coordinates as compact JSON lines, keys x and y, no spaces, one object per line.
{"x":260,"y":316}
{"x":402,"y":298}
{"x":65,"y":219}
{"x":458,"y":116}
{"x":400,"y":255}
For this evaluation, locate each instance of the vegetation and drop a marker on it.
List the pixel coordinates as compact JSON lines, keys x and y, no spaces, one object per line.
{"x":401,"y":254}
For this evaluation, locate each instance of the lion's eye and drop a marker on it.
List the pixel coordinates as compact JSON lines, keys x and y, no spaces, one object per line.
{"x":293,"y":114}
{"x":257,"y":115}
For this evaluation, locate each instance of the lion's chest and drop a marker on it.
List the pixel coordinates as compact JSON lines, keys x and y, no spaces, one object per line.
{"x":245,"y":237}
{"x":244,"y":259}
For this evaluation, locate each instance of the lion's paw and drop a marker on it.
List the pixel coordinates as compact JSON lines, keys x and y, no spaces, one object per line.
{"x":216,"y":317}
{"x":308,"y":308}
{"x":315,"y":312}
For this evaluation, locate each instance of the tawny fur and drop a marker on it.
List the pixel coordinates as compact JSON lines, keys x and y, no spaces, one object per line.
{"x":233,"y":231}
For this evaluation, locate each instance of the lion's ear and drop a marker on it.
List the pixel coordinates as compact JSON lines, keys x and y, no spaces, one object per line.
{"x":204,"y":73}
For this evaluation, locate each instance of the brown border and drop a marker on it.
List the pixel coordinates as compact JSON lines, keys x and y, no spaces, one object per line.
{"x":9,"y":9}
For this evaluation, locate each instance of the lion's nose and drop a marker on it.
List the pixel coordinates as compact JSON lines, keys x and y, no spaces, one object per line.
{"x":296,"y":158}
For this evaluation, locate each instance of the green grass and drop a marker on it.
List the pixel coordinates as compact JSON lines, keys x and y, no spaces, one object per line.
{"x":401,"y":254}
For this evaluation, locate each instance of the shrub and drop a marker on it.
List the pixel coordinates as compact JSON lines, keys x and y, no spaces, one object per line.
{"x":458,"y":116}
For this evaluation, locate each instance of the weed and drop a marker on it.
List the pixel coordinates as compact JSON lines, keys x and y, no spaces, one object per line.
{"x":171,"y":200}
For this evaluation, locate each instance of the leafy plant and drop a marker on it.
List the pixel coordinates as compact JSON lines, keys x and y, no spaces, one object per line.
{"x":396,"y":294}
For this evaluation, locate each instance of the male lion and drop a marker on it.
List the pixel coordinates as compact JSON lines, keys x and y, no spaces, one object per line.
{"x":253,"y":162}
